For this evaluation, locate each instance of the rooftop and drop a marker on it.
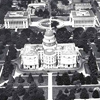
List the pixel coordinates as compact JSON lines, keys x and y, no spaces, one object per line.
{"x":67,"y":49}
{"x":37,"y":4}
{"x":31,"y":49}
{"x":16,"y":14}
{"x":83,"y":4}
{"x":81,"y":13}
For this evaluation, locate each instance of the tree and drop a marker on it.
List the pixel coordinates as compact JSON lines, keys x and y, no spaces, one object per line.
{"x":3,"y":96}
{"x":40,"y":79}
{"x":11,"y":80}
{"x":75,"y":76}
{"x":30,"y":78}
{"x":45,"y":13}
{"x":66,"y":90}
{"x":33,"y":38}
{"x":62,"y":35}
{"x":39,"y":38}
{"x":66,"y":79}
{"x":90,"y":34}
{"x":9,"y":90}
{"x":8,"y":68}
{"x":14,"y":37}
{"x":82,"y":78}
{"x":59,"y":79}
{"x":32,"y":89}
{"x":65,"y":2}
{"x":92,"y":64}
{"x":26,"y":96}
{"x":20,"y":90}
{"x":61,"y":95}
{"x":95,"y":3}
{"x":54,"y":24}
{"x":40,"y":94}
{"x":84,"y":94}
{"x":20,"y":79}
{"x":94,"y":80}
{"x":15,"y":96}
{"x":12,"y":52}
{"x":27,"y":32}
{"x":22,"y":40}
{"x":95,"y":94}
{"x":77,"y":33}
{"x":88,"y":80}
{"x":71,"y":96}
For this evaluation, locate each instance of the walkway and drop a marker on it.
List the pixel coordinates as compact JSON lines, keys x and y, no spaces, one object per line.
{"x":47,"y":22}
{"x":50,"y":86}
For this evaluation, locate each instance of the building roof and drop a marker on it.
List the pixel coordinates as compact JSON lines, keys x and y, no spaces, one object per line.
{"x":81,"y":5}
{"x":32,"y":49}
{"x":67,"y":49}
{"x":82,"y":13}
{"x":37,"y":4}
{"x":49,"y":33}
{"x":16,"y":14}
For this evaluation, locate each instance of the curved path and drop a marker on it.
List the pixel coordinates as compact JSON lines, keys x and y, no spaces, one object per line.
{"x":39,"y":23}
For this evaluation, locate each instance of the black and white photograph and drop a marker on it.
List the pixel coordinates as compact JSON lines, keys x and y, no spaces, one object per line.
{"x":49,"y":49}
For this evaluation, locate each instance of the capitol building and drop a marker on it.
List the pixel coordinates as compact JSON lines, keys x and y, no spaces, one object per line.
{"x":49,"y":54}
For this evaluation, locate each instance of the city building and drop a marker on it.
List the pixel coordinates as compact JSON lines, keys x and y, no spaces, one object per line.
{"x":82,"y":6}
{"x":16,"y":20}
{"x":49,"y":54}
{"x":82,"y":18}
{"x":33,"y":6}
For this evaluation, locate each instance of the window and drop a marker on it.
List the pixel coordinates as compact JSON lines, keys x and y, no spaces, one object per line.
{"x":68,"y":65}
{"x":30,"y":66}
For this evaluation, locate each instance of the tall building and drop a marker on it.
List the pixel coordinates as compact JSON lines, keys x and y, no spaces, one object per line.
{"x":82,"y":18}
{"x":49,"y":54}
{"x":16,"y":20}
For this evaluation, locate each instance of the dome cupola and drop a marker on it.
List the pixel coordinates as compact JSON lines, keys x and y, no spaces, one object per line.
{"x":49,"y":40}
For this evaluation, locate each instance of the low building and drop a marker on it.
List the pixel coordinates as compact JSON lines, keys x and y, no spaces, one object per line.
{"x":16,"y":20}
{"x":33,"y":6}
{"x":82,"y":6}
{"x":49,"y":54}
{"x":82,"y":18}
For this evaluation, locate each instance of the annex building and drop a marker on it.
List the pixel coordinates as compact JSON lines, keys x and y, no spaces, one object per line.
{"x":49,"y":54}
{"x":82,"y":6}
{"x":16,"y":20}
{"x":82,"y":18}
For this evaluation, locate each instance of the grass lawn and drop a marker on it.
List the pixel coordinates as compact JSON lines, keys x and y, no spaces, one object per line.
{"x":45,"y":83}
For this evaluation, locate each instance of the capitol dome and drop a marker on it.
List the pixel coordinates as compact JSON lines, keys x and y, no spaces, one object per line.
{"x":49,"y":40}
{"x":49,"y":33}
